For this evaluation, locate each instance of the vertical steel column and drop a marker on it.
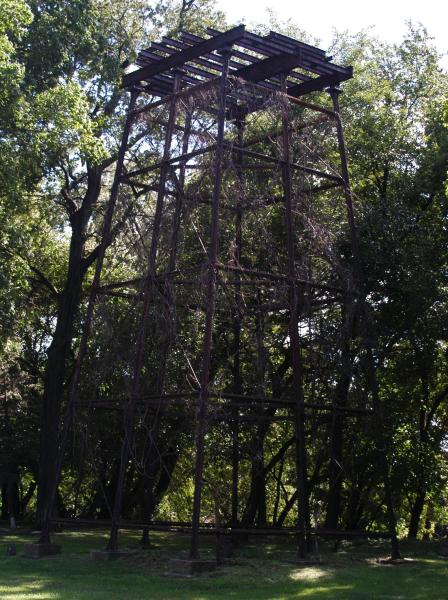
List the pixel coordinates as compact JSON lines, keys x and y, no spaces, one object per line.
{"x":384,"y":465}
{"x":73,"y":388}
{"x":179,"y":198}
{"x":129,"y":411}
{"x":174,"y":245}
{"x":237,"y":383}
{"x":334,"y":94}
{"x":303,"y":519}
{"x":340,"y":398}
{"x":201,"y":411}
{"x":163,"y":352}
{"x":371,"y":370}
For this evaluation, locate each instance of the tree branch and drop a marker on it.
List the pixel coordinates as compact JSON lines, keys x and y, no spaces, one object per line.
{"x":436,"y":403}
{"x":274,"y":460}
{"x":91,"y":258}
{"x":40,"y":275}
{"x":44,"y":279}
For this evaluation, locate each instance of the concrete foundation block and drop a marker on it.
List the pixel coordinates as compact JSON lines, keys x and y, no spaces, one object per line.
{"x":395,"y":561}
{"x":189,"y":567}
{"x":309,"y":562}
{"x":103,"y":555}
{"x":41,"y":550}
{"x":225,"y":548}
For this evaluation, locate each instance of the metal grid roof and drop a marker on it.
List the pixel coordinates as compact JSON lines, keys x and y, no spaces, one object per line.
{"x":255,"y":58}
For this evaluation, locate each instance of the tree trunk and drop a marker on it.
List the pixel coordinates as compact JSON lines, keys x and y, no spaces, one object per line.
{"x":416,"y":513}
{"x":256,"y":503}
{"x":27,"y":497}
{"x":55,"y":375}
{"x":4,"y":513}
{"x":336,"y":473}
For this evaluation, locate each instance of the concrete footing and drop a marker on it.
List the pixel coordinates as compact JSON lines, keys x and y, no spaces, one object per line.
{"x":41,"y":550}
{"x":102,"y":555}
{"x":189,"y":567}
{"x":395,"y":561}
{"x":310,"y":561}
{"x":225,"y":548}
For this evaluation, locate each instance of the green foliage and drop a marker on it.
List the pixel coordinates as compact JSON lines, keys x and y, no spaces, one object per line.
{"x":64,"y":129}
{"x":14,"y":17}
{"x":393,"y":110}
{"x":61,"y":114}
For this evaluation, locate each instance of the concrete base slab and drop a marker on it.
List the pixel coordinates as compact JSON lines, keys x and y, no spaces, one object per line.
{"x":102,"y":555}
{"x":225,"y":548}
{"x":305,"y":562}
{"x":41,"y":550}
{"x":239,"y":539}
{"x":189,"y":567}
{"x":395,"y":561}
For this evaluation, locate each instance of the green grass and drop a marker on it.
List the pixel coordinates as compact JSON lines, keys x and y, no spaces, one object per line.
{"x":266,"y":572}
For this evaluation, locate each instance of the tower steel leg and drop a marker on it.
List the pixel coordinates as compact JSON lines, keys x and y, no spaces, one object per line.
{"x":129,"y":411}
{"x":237,"y":382}
{"x":163,"y":352}
{"x":381,"y":446}
{"x":303,"y":520}
{"x":371,"y":374}
{"x":201,"y":411}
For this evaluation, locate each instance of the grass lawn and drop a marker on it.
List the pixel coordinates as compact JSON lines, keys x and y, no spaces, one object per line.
{"x":266,"y":572}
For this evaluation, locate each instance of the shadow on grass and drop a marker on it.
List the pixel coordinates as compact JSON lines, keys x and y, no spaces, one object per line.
{"x":255,"y":573}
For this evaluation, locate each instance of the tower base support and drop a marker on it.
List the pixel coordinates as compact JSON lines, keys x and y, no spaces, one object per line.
{"x":41,"y":550}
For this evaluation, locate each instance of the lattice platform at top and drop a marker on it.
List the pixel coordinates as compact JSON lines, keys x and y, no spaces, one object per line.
{"x":255,"y":58}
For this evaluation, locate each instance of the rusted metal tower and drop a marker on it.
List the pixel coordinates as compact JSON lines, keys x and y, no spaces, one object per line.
{"x":208,"y":94}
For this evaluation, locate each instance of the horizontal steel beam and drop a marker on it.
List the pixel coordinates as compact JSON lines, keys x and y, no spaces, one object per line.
{"x":277,"y":277}
{"x":269,"y":67}
{"x":319,"y":83}
{"x":211,"y":529}
{"x":271,"y":159}
{"x":217,"y":42}
{"x":273,"y":35}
